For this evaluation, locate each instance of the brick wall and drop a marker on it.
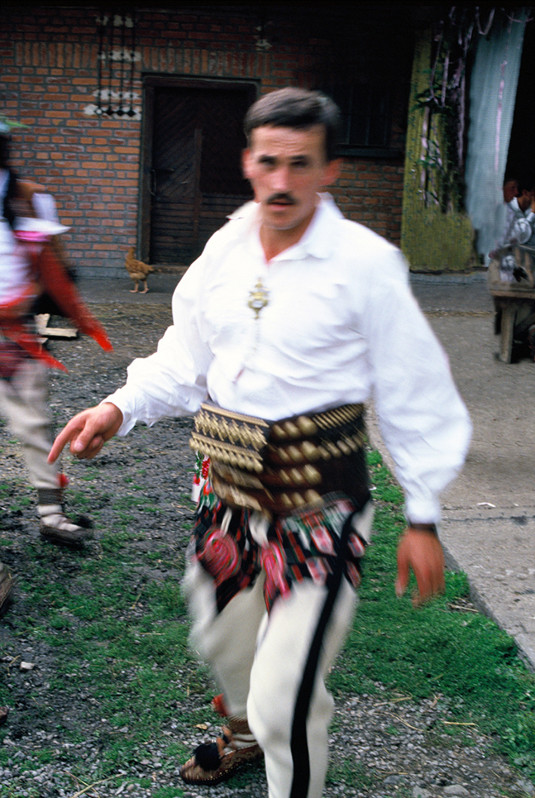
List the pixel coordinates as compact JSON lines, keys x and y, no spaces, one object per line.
{"x":49,"y":67}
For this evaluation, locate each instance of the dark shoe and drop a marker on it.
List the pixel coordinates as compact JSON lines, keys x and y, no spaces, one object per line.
{"x":6,"y":588}
{"x":57,"y":528}
{"x":215,"y":762}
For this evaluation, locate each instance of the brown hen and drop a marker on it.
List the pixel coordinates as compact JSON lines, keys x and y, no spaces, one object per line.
{"x":138,"y":271}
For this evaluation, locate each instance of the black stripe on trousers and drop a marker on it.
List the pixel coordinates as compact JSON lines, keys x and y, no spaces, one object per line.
{"x":298,"y":742}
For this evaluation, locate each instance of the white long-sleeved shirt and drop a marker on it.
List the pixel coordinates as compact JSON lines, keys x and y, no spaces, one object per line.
{"x":341,"y":325}
{"x":518,"y":226}
{"x":14,"y":265}
{"x":15,"y":268}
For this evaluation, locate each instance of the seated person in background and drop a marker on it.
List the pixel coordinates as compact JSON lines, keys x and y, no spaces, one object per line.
{"x":519,"y":225}
{"x":511,"y":263}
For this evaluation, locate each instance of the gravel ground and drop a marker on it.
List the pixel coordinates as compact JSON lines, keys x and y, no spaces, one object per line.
{"x":397,"y":746}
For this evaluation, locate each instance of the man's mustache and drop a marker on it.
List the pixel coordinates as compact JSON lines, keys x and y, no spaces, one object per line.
{"x":277,"y":198}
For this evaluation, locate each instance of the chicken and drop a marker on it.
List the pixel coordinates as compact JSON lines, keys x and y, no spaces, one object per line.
{"x":138,"y":271}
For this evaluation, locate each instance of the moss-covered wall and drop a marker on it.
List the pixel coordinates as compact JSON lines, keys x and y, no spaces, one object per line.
{"x":432,"y":241}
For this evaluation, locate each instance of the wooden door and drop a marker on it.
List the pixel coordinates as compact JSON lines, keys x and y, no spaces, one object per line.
{"x":192,"y":166}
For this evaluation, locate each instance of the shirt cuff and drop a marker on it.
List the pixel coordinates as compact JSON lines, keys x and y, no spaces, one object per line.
{"x":421,"y":511}
{"x":128,"y":419}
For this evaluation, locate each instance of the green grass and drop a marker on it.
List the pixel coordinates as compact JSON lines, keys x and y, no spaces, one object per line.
{"x":124,"y":649}
{"x":436,"y":650}
{"x":120,"y":644}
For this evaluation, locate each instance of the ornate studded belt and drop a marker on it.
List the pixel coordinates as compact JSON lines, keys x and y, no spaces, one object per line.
{"x":277,"y":467}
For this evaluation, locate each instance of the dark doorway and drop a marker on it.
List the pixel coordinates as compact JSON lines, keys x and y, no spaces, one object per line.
{"x":192,"y":179}
{"x":520,"y":159}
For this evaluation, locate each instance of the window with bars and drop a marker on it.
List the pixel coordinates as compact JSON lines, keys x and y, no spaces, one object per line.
{"x":366,"y":118}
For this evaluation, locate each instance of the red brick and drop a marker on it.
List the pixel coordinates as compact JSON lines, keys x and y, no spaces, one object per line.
{"x":48,"y":67}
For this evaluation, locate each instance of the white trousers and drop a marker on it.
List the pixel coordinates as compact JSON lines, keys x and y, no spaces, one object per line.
{"x":272,"y":669}
{"x":24,"y":403}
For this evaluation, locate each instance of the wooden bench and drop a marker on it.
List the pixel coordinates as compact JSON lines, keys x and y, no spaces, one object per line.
{"x":509,"y":298}
{"x":508,"y":303}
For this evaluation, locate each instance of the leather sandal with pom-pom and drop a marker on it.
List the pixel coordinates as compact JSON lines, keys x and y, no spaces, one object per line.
{"x":212,"y":763}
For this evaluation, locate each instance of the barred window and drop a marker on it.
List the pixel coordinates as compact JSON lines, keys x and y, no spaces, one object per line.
{"x":366,"y":118}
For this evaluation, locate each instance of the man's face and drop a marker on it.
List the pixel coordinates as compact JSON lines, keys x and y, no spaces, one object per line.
{"x":524,"y":199}
{"x":286,"y":168}
{"x":510,"y":190}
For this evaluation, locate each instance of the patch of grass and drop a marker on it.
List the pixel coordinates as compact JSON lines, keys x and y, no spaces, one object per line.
{"x":21,"y":501}
{"x":114,"y":541}
{"x":44,"y":756}
{"x":463,"y":657}
{"x":347,"y":771}
{"x":119,"y":640}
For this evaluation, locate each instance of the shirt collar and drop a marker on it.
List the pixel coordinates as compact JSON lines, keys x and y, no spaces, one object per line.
{"x":317,"y":240}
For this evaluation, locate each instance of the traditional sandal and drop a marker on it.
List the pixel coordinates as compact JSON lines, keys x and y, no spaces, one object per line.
{"x":58,"y":529}
{"x":212,"y":763}
{"x":55,"y":526}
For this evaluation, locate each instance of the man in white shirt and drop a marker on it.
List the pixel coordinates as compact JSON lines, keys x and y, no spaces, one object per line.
{"x":290,"y":319}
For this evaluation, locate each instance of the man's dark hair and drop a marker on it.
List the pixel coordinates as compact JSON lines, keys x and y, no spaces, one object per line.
{"x":10,"y":188}
{"x":526,"y":182}
{"x":299,"y":109}
{"x":5,"y":142}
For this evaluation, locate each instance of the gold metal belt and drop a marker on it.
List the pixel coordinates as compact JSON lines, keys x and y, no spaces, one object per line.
{"x":280,"y":466}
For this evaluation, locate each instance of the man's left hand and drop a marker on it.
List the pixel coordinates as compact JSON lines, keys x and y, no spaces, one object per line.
{"x":421,"y":552}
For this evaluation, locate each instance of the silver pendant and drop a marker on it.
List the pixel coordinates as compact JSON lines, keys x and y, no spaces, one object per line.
{"x":258,"y":298}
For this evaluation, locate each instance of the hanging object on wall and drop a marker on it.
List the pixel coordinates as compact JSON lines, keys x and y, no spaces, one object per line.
{"x":116,"y":64}
{"x":443,"y":103}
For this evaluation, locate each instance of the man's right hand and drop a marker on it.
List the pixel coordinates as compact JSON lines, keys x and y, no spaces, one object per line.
{"x":88,"y":431}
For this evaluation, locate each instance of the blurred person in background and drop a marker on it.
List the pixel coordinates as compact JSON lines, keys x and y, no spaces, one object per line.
{"x":32,"y":272}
